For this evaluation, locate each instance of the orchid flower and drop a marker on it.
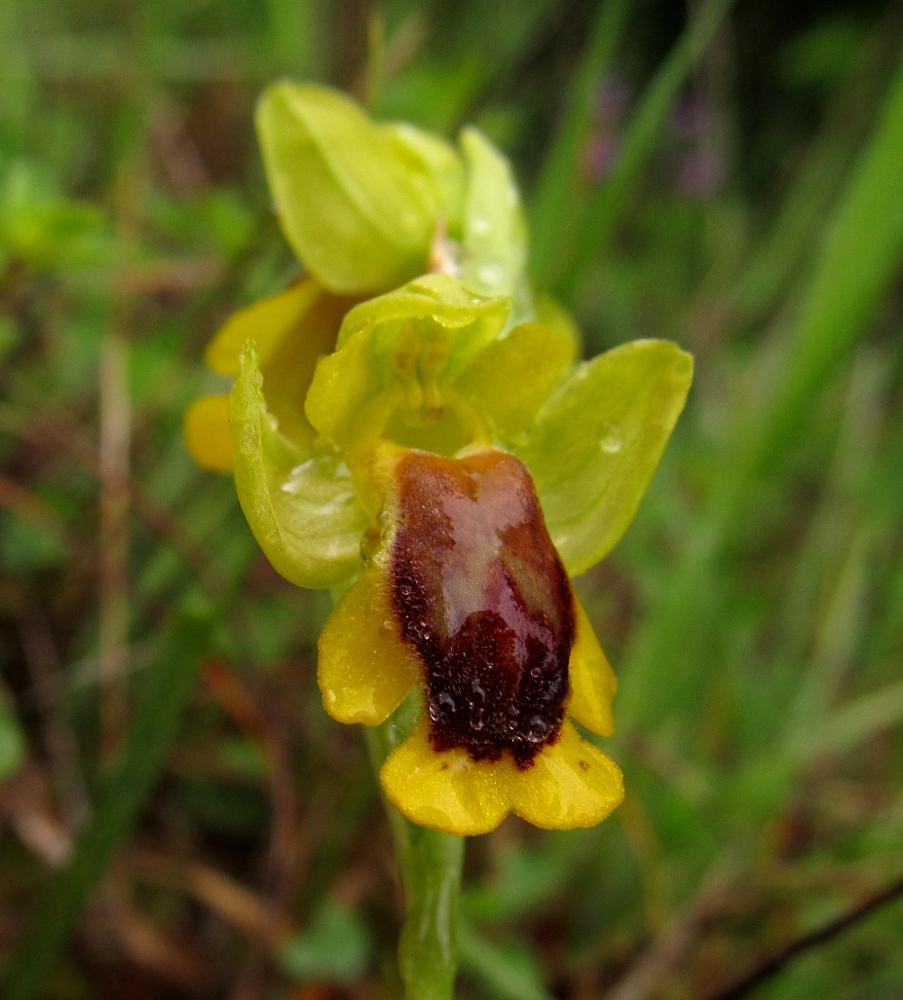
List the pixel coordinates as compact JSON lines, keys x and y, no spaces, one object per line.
{"x":411,"y":427}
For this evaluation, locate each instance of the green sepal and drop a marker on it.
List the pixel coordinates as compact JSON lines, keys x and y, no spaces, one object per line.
{"x":359,"y":215}
{"x":510,"y":380}
{"x":438,"y":163}
{"x":411,"y":340}
{"x":300,"y":505}
{"x":495,"y":228}
{"x":598,"y":440}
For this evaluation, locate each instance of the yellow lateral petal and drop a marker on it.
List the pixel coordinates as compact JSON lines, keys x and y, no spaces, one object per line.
{"x":364,"y":669}
{"x":205,"y":428}
{"x":265,"y":322}
{"x":571,"y":784}
{"x":446,"y":791}
{"x":289,"y":367}
{"x":593,"y":683}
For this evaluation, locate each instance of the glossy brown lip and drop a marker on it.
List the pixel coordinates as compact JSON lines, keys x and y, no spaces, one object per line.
{"x":483,"y":598}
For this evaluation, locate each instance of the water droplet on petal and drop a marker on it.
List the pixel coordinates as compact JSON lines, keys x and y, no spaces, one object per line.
{"x":537,"y":729}
{"x":445,"y":701}
{"x":610,"y":441}
{"x":490,"y":274}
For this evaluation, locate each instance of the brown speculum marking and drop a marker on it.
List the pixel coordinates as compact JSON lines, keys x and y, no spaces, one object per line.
{"x":483,"y":598}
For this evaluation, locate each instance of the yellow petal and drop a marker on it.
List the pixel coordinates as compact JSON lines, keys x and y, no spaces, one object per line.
{"x":570,"y":784}
{"x":446,"y":791}
{"x":593,"y":683}
{"x":205,"y":428}
{"x":265,"y":322}
{"x":365,"y":670}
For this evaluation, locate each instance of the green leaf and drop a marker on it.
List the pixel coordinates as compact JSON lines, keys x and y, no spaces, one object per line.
{"x":858,"y":262}
{"x":336,"y":947}
{"x":360,"y":215}
{"x":301,"y":506}
{"x":42,"y":228}
{"x":12,"y":743}
{"x":598,"y":440}
{"x":495,"y":230}
{"x":509,"y":972}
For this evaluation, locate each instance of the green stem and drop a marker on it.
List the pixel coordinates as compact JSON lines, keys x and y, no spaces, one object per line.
{"x":430,"y":864}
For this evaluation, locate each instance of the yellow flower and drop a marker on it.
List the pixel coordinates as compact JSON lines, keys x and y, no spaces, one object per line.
{"x":440,"y":457}
{"x":462,"y":469}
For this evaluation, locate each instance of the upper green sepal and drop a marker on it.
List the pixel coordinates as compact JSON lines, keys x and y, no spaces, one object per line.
{"x":597,"y":441}
{"x":358,"y":208}
{"x":495,"y":228}
{"x":300,"y":505}
{"x":438,"y":163}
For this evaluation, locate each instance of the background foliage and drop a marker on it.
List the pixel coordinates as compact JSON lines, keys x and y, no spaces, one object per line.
{"x":179,"y":817}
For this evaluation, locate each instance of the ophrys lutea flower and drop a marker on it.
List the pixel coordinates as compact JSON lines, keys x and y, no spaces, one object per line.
{"x":438,"y":456}
{"x":460,"y":469}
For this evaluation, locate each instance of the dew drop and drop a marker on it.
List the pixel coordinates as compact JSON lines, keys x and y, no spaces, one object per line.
{"x":610,"y":442}
{"x":479,"y":225}
{"x":537,"y":729}
{"x":445,"y":702}
{"x":490,"y":274}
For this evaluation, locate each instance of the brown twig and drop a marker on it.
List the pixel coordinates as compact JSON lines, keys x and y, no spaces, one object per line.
{"x":232,"y":901}
{"x":822,"y":935}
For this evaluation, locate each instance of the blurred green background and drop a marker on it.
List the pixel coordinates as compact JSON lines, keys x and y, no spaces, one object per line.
{"x":178,"y":817}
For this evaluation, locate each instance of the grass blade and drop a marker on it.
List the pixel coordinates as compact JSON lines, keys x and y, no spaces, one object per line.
{"x":639,"y":139}
{"x":553,"y":206}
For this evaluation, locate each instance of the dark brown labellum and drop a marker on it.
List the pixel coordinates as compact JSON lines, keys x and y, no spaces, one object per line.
{"x":483,"y":598}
